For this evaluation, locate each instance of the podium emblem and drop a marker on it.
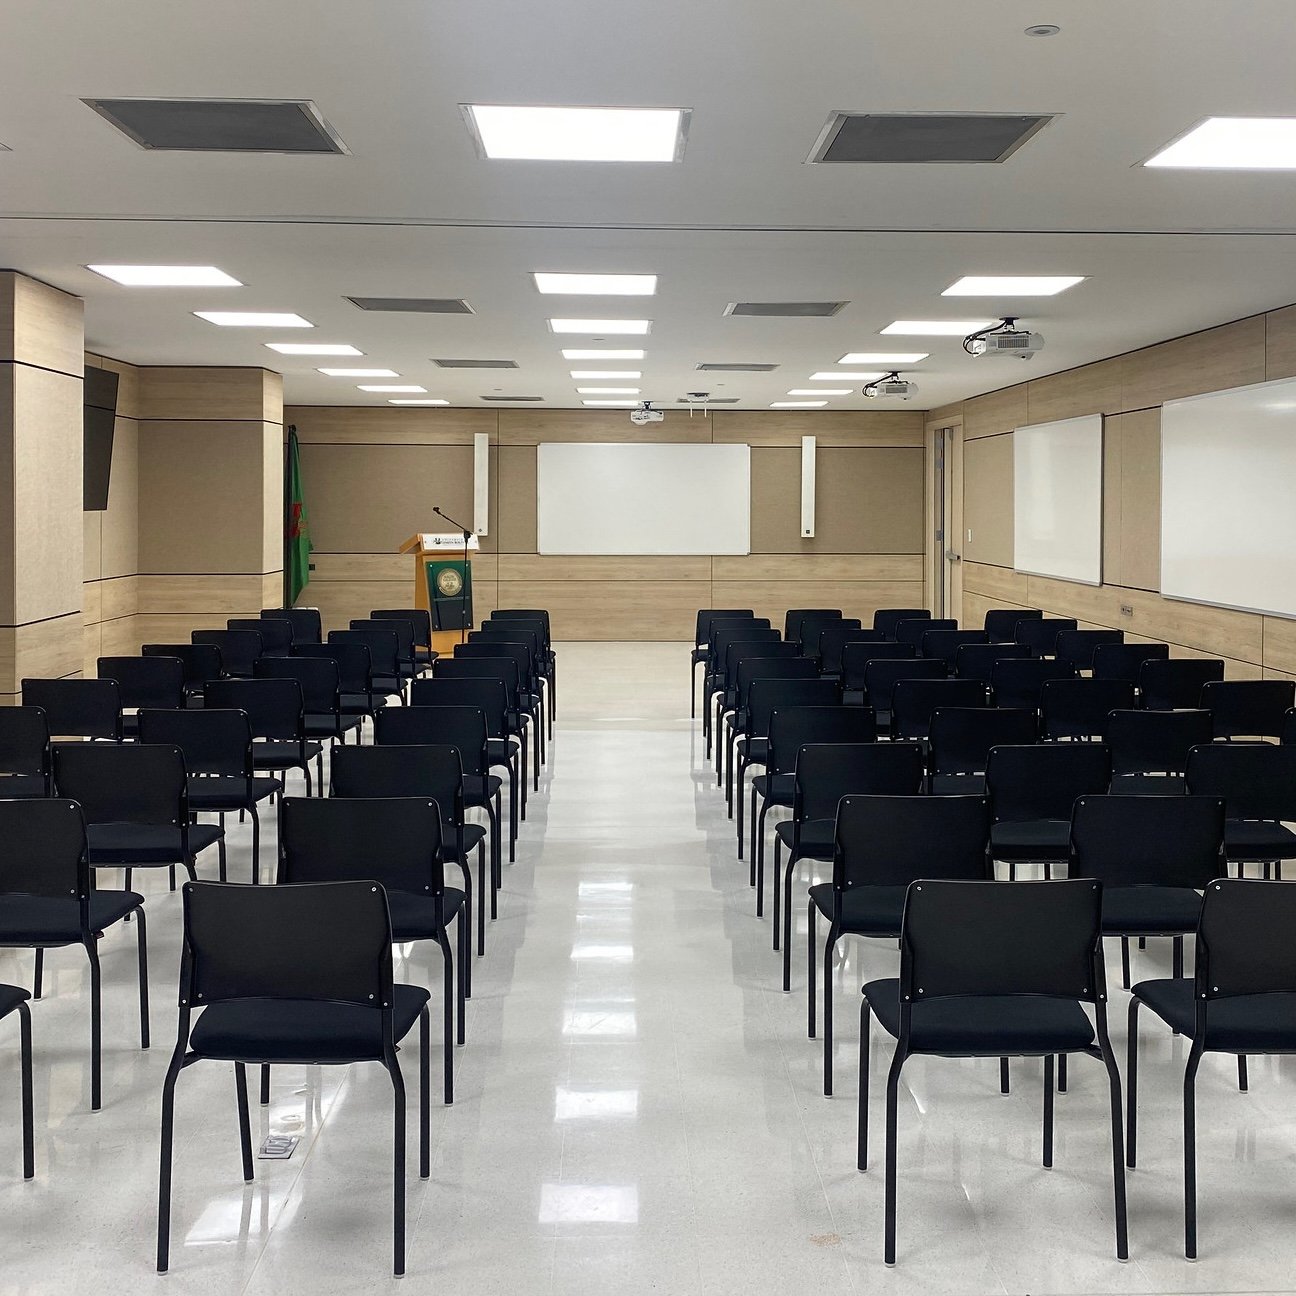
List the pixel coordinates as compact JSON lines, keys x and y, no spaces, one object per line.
{"x":449,"y":582}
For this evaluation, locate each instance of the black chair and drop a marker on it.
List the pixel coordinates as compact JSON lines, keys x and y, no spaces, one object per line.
{"x":824,"y":773}
{"x":77,"y":708}
{"x":883,"y":843}
{"x":385,"y":675}
{"x":407,"y":661}
{"x":1241,"y":999}
{"x":887,"y":619}
{"x":1079,"y":646}
{"x":396,"y":841}
{"x":530,"y":616}
{"x":881,"y":677}
{"x":915,"y":701}
{"x":1288,"y":736}
{"x":1258,"y":784}
{"x":421,"y":620}
{"x":723,"y":634}
{"x":812,"y":627}
{"x":1248,"y":708}
{"x":959,"y":740}
{"x":1040,"y":634}
{"x":201,"y":663}
{"x":857,"y":654}
{"x":914,"y":632}
{"x":1078,"y":708}
{"x":534,"y":632}
{"x":793,"y":618}
{"x":702,"y":639}
{"x":24,"y":752}
{"x":1149,"y":749}
{"x":48,"y":901}
{"x":136,"y":806}
{"x":502,"y":671}
{"x":1176,"y":684}
{"x":217,"y":748}
{"x":356,"y":697}
{"x":305,"y":622}
{"x":1001,"y":623}
{"x":153,"y":682}
{"x":276,"y":634}
{"x":240,"y":650}
{"x":832,"y":643}
{"x":945,"y":644}
{"x":977,"y":660}
{"x":275,"y":711}
{"x":1032,"y":792}
{"x":321,"y":687}
{"x":292,"y":975}
{"x":1153,"y":856}
{"x":1123,"y":661}
{"x":14,"y":999}
{"x":529,"y":702}
{"x":1018,"y":682}
{"x":994,"y":970}
{"x":724,"y":683}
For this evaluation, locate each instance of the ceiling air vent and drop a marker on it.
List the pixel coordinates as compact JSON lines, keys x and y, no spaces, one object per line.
{"x":474,"y":364}
{"x":513,"y":398}
{"x":414,"y":305}
{"x":708,"y":400}
{"x":717,"y":367}
{"x":925,"y":137}
{"x":785,"y":310}
{"x":222,"y":125}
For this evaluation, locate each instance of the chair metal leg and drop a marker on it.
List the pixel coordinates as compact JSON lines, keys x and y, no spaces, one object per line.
{"x":1118,"y":1168}
{"x":1190,"y":1150}
{"x":752,"y":820}
{"x":25,"y":1063}
{"x":265,"y":1086}
{"x":245,"y":1124}
{"x":511,"y":766}
{"x":256,"y":844}
{"x":38,"y":976}
{"x":830,"y":948}
{"x":398,"y":1166}
{"x":448,"y":1022}
{"x":141,"y":941}
{"x":1177,"y":957}
{"x":1242,"y":1073}
{"x":1125,"y":962}
{"x":811,"y":952}
{"x":465,"y":960}
{"x":481,"y":901}
{"x":425,"y":1087}
{"x":740,"y":799}
{"x":1048,"y":1111}
{"x":1131,"y":1084}
{"x":760,"y":881}
{"x":220,"y":859}
{"x":788,"y":873}
{"x":1062,"y":1073}
{"x":1004,"y":1078}
{"x":865,"y":1056}
{"x":776,"y":891}
{"x":96,"y":1026}
{"x":892,"y":1115}
{"x":164,"y":1163}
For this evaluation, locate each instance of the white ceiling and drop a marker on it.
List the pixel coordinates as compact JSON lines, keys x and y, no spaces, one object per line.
{"x":413,"y":211}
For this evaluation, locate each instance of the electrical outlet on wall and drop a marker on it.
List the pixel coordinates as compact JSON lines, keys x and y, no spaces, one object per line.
{"x":969,"y":539}
{"x":1126,"y":610}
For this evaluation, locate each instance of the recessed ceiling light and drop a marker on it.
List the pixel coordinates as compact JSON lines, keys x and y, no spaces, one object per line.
{"x":826,"y":375}
{"x":937,"y":328}
{"x":390,"y":387}
{"x":600,"y":325}
{"x":597,"y":285}
{"x":154,"y":276}
{"x":607,"y":391}
{"x":821,"y":391}
{"x":254,"y":319}
{"x":1012,"y":285}
{"x":549,"y":134}
{"x":418,"y":402}
{"x":1043,"y":29}
{"x":1234,"y":144}
{"x":360,"y":373}
{"x":606,"y":373}
{"x":797,"y":404}
{"x":314,"y":348}
{"x":613,"y":404}
{"x":584,"y":353}
{"x":883,"y":357}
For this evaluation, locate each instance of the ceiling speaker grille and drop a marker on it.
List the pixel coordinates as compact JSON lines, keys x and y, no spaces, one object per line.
{"x":925,"y":137}
{"x":710,"y":400}
{"x":474,"y":364}
{"x":724,"y":367}
{"x":222,"y":125}
{"x":785,"y":310}
{"x":512,"y":398}
{"x":414,"y":305}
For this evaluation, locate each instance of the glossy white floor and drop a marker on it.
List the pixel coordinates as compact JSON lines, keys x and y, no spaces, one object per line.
{"x":638,"y":1108}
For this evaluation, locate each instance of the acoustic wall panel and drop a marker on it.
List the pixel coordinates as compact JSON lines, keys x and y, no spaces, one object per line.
{"x":1058,"y":500}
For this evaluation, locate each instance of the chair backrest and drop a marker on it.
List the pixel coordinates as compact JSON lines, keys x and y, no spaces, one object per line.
{"x":402,"y":628}
{"x":969,"y":939}
{"x":834,"y":638}
{"x":274,"y":707}
{"x":419,"y":618}
{"x":318,"y":677}
{"x":123,"y":782}
{"x":305,"y":622}
{"x":1288,"y":735}
{"x":794,"y":727}
{"x":914,"y":701}
{"x":1040,"y":634}
{"x":383,"y":645}
{"x":494,"y":650}
{"x":352,"y":661}
{"x":43,"y":850}
{"x":442,"y":726}
{"x":1148,"y":840}
{"x":826,"y":772}
{"x":487,"y":695}
{"x":793,"y":618}
{"x":1078,"y":708}
{"x":24,"y":741}
{"x":276,"y":633}
{"x":1256,"y":780}
{"x":881,"y":676}
{"x":1001,"y":623}
{"x":429,"y":770}
{"x":1154,"y":742}
{"x":1078,"y":646}
{"x":813,"y":625}
{"x":892,"y":840}
{"x":770,"y":695}
{"x":1248,"y":708}
{"x":1123,"y":660}
{"x":1244,"y":944}
{"x":913,"y":632}
{"x":517,"y":614}
{"x":213,"y":741}
{"x":945,"y":644}
{"x":741,"y":651}
{"x":751,"y":669}
{"x":857,"y":655}
{"x":145,"y":681}
{"x":499,"y":669}
{"x":1017,"y":681}
{"x":201,"y":662}
{"x":1176,"y":684}
{"x":960,"y":738}
{"x":1043,"y":781}
{"x":976,"y":660}
{"x":77,"y":708}
{"x":706,"y":616}
{"x":328,"y":941}
{"x":886,"y":619}
{"x":724,"y":633}
{"x":240,"y":649}
{"x":513,"y":632}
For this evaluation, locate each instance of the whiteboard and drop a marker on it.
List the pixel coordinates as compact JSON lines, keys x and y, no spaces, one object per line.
{"x":1057,"y":499}
{"x":622,"y":498}
{"x":1228,"y":498}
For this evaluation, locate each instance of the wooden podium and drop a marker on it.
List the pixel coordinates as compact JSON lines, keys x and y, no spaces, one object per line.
{"x":430,"y":548}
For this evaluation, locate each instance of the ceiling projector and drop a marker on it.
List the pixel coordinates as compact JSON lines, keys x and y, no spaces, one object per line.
{"x":891,"y":385}
{"x":646,"y":414}
{"x":1004,"y":339}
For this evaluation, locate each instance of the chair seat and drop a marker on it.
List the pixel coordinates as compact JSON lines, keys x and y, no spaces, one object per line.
{"x":282,"y":755}
{"x":958,"y":785}
{"x":985,"y":1025}
{"x":755,"y":751}
{"x":477,"y":788}
{"x":1258,"y":839}
{"x":56,"y":920}
{"x":10,"y":997}
{"x":360,"y":704}
{"x":22,"y":785}
{"x":866,"y":910}
{"x":328,"y":725}
{"x":414,"y":917}
{"x":777,"y":789}
{"x":1262,"y":1023}
{"x":816,"y":837}
{"x":1148,"y":785}
{"x":500,"y":750}
{"x":301,"y":1031}
{"x":472,"y":835}
{"x":128,"y":844}
{"x":1031,"y":839}
{"x":1149,"y":910}
{"x":229,"y":792}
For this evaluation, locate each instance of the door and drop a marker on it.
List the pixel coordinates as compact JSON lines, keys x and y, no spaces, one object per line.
{"x":951,"y":513}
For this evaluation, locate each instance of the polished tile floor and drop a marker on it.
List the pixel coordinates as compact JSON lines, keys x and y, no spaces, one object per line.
{"x":638,"y":1108}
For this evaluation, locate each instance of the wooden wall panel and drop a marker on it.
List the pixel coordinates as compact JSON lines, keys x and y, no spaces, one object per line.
{"x":1280,"y":343}
{"x":642,"y":609}
{"x":211,"y":394}
{"x":538,"y":567}
{"x":1140,"y":499}
{"x":1091,"y":389}
{"x":830,"y":567}
{"x":1229,"y":356}
{"x":987,"y":501}
{"x":531,"y":426}
{"x":329,"y":424}
{"x":996,"y":412}
{"x":40,"y":326}
{"x":855,"y":598}
{"x":830,"y":427}
{"x":516,"y":526}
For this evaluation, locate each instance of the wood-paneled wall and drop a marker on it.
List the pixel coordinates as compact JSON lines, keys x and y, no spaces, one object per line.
{"x":371,"y":477}
{"x":1129,"y":390}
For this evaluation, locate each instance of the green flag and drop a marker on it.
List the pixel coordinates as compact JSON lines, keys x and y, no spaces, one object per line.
{"x":296,"y":527}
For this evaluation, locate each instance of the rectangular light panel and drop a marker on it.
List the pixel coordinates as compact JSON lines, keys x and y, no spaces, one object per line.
{"x":390,"y":387}
{"x":612,"y":404}
{"x":892,"y":358}
{"x":254,"y":319}
{"x":937,"y":328}
{"x":314,"y":348}
{"x":797,"y":404}
{"x":1233,"y":144}
{"x":418,"y":402}
{"x":636,"y":326}
{"x":551,"y":134}
{"x":152,"y":276}
{"x":1012,"y":285}
{"x":607,"y":391}
{"x":585,"y":353}
{"x":828,"y":375}
{"x":597,"y":285}
{"x":359,"y":373}
{"x":821,"y":391}
{"x":606,"y":373}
